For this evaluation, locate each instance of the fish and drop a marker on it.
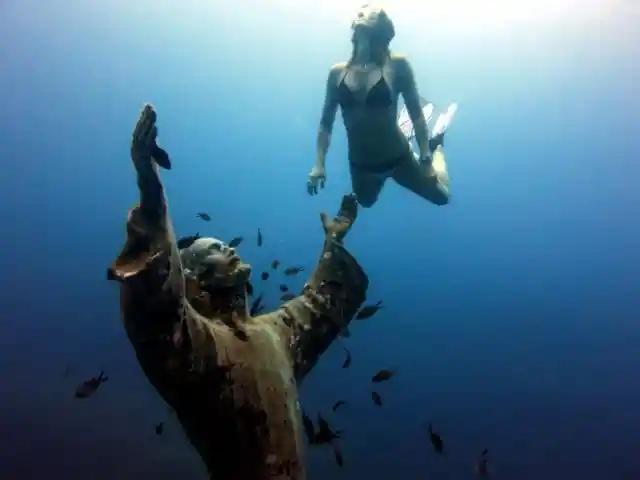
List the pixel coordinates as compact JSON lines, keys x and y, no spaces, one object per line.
{"x":324,"y":433}
{"x":159,"y":428}
{"x":338,"y":455}
{"x":284,"y":288}
{"x":249,"y":288}
{"x":235,"y":241}
{"x":264,"y":275}
{"x":293,"y":271}
{"x":186,"y":242}
{"x":256,"y":306}
{"x":382,"y":376}
{"x":160,"y":156}
{"x":204,"y":216}
{"x":89,"y":387}
{"x":377,"y":399}
{"x":482,"y":465}
{"x":309,"y":428}
{"x":67,"y":371}
{"x":347,"y":360}
{"x":369,"y":311}
{"x":275,"y":264}
{"x":436,"y":439}
{"x":287,"y":297}
{"x":259,"y":238}
{"x":338,"y":404}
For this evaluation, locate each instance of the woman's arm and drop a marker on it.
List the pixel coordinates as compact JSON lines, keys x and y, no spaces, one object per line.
{"x":409,"y":90}
{"x":328,"y":117}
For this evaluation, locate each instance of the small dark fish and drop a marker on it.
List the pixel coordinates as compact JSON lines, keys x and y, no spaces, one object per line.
{"x":338,"y":454}
{"x":235,"y":241}
{"x":249,"y":288}
{"x":324,"y":433}
{"x":186,"y":242}
{"x":383,"y":375}
{"x":293,"y":271}
{"x":482,"y":465}
{"x":159,"y":428}
{"x":284,"y":288}
{"x":264,"y":275}
{"x":369,"y":311}
{"x":204,"y":216}
{"x":67,"y":372}
{"x":275,"y":264}
{"x":256,"y":306}
{"x":338,"y":404}
{"x":89,"y":387}
{"x":309,"y":429}
{"x":259,"y":238}
{"x":161,"y":157}
{"x":436,"y":440}
{"x":377,"y":399}
{"x":287,"y":296}
{"x":345,"y":332}
{"x":347,"y":360}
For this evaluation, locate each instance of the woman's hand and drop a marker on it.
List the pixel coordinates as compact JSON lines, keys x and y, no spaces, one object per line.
{"x":316,"y":181}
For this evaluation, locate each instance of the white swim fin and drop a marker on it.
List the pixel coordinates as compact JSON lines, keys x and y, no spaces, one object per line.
{"x":404,"y":122}
{"x":444,"y":120}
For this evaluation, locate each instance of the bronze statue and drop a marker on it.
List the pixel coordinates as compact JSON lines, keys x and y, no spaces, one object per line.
{"x":231,"y":378}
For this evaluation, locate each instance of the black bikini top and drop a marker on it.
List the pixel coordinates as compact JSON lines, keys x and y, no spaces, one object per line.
{"x":380,"y":95}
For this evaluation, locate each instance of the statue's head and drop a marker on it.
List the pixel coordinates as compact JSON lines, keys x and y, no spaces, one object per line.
{"x":214,"y":265}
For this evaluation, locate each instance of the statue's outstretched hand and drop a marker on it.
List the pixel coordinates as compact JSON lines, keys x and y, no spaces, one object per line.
{"x":339,"y":226}
{"x":144,"y":146}
{"x":144,"y":153}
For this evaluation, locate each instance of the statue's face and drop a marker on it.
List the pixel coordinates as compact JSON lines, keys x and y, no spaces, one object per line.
{"x":214,"y":264}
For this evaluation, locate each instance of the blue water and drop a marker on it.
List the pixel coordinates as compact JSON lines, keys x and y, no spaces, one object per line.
{"x":512,"y":313}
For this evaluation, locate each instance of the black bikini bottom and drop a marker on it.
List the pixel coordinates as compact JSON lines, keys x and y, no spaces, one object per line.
{"x":379,"y":168}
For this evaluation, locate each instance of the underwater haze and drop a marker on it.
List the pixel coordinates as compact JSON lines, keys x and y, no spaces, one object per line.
{"x":511,"y":315}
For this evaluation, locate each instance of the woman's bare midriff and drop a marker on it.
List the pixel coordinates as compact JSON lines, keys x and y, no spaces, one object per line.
{"x":373,"y":136}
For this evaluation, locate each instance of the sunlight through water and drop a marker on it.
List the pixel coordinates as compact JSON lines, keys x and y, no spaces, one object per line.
{"x":465,"y":15}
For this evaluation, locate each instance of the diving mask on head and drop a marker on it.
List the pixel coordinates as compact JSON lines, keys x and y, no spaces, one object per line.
{"x":213,"y":263}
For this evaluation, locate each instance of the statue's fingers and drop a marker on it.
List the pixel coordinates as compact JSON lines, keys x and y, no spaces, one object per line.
{"x":138,"y":128}
{"x":148,"y":124}
{"x":145,"y":123}
{"x":149,"y":112}
{"x":150,"y":137}
{"x":349,"y":206}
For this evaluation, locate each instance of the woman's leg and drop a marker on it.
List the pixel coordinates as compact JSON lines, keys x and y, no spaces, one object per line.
{"x":366,"y":186}
{"x":431,"y":183}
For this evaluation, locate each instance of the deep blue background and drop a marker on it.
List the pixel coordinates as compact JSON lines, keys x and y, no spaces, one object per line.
{"x":512,"y":314}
